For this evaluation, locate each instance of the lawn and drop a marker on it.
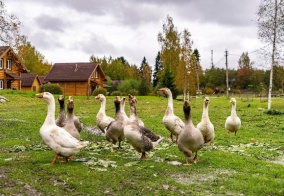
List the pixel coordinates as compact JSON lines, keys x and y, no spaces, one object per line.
{"x":250,"y":163}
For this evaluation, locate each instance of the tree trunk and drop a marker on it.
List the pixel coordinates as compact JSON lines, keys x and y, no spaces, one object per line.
{"x":273,"y":55}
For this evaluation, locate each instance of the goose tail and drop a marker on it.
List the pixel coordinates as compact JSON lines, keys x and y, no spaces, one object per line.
{"x":157,"y":142}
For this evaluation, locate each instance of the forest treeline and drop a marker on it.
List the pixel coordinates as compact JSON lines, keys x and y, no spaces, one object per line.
{"x":177,"y":65}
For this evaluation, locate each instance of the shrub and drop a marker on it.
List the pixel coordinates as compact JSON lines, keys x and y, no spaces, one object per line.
{"x":52,"y":88}
{"x":128,"y":86}
{"x":274,"y":112}
{"x":99,"y":91}
{"x":116,"y":93}
{"x":209,"y":91}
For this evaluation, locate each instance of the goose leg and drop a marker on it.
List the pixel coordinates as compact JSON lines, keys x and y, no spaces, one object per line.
{"x":195,"y":159}
{"x":111,"y":147}
{"x":171,"y":136}
{"x":55,"y":158}
{"x":186,"y":160}
{"x":119,"y":147}
{"x":143,"y":156}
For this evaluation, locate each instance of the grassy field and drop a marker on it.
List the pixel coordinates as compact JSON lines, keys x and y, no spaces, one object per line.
{"x":251,"y":163}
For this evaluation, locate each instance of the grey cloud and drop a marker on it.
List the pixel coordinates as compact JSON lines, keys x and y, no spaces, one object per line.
{"x":95,"y":44}
{"x":45,"y":40}
{"x":51,"y":23}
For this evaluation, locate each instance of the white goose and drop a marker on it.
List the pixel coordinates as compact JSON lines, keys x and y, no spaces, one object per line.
{"x":102,"y":119}
{"x":205,"y":126}
{"x":141,"y":138}
{"x":70,"y":126}
{"x":190,"y":139}
{"x":58,"y":139}
{"x":172,"y":122}
{"x":3,"y":99}
{"x":233,"y":122}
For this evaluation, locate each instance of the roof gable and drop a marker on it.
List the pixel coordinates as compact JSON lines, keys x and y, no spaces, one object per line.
{"x":71,"y":72}
{"x":28,"y":79}
{"x":3,"y":50}
{"x":11,"y":54}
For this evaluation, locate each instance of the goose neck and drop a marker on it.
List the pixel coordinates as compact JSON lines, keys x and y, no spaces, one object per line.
{"x":170,"y":102}
{"x":205,"y":112}
{"x":103,"y":106}
{"x":233,"y":111}
{"x":50,"y":117}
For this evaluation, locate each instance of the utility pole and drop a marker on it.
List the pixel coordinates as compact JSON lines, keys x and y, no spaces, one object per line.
{"x":212,"y":64}
{"x":227,"y":74}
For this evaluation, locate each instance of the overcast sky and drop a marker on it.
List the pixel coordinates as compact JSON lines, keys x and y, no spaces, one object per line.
{"x":73,"y":30}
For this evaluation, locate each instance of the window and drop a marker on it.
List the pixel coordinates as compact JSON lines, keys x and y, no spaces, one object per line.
{"x":9,"y":64}
{"x":97,"y":74}
{"x":1,"y":63}
{"x":1,"y":84}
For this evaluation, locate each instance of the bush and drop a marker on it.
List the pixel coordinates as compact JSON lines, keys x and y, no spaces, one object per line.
{"x":116,"y":93}
{"x":99,"y":91}
{"x":209,"y":91}
{"x":274,"y":112}
{"x":52,"y":88}
{"x":127,"y":86}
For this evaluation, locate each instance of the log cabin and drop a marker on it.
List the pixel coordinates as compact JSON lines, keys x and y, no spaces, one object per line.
{"x":77,"y":78}
{"x":30,"y":82}
{"x":10,"y":69}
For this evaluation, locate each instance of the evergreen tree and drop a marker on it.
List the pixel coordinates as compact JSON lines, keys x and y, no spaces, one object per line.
{"x":145,"y":71}
{"x":144,"y":88}
{"x":157,"y":69}
{"x":168,"y":81}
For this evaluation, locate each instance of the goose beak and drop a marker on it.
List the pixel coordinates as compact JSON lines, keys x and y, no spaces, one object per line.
{"x":40,"y":95}
{"x":98,"y":96}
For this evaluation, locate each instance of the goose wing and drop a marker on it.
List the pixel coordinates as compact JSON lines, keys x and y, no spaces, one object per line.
{"x":63,"y":138}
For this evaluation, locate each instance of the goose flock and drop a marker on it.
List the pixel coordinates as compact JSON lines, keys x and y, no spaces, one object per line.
{"x":62,"y":135}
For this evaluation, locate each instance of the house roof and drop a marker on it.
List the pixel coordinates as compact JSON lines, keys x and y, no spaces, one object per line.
{"x":3,"y":50}
{"x":13,"y":76}
{"x":71,"y":72}
{"x":28,"y":79}
{"x":9,"y":50}
{"x":41,"y":78}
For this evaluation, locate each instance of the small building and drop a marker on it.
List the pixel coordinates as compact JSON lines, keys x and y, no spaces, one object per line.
{"x":77,"y":78}
{"x":30,"y":82}
{"x":10,"y":69}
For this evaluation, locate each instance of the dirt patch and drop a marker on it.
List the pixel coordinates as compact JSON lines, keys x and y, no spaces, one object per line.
{"x":16,"y":187}
{"x":202,"y":177}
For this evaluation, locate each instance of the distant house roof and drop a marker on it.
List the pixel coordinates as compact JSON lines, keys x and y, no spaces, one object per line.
{"x":28,"y":79}
{"x":71,"y":72}
{"x":41,"y":78}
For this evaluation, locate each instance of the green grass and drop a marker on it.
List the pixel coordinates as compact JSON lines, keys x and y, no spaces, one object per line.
{"x":246,"y":164}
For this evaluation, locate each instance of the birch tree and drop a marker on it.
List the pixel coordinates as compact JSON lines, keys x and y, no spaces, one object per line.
{"x":270,"y":31}
{"x":10,"y":31}
{"x":169,"y":40}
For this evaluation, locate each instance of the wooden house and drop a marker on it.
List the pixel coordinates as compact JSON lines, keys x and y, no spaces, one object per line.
{"x":77,"y":78}
{"x":10,"y":69}
{"x":30,"y":82}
